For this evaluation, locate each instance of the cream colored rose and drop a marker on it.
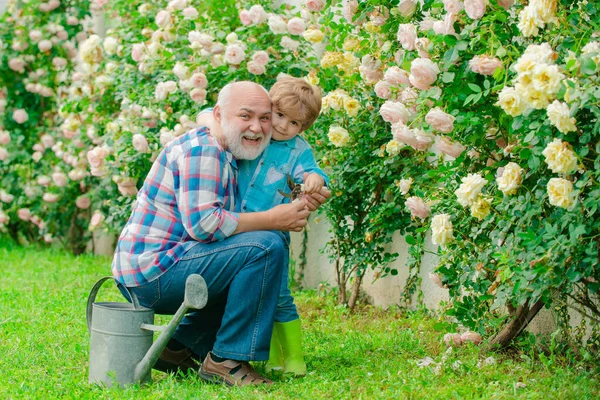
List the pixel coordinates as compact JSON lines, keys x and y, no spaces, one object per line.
{"x":83,"y":202}
{"x":383,"y":90}
{"x":393,"y":147}
{"x":469,"y":189}
{"x":404,"y":185}
{"x":407,"y":7}
{"x":423,"y":73}
{"x":559,"y":157}
{"x":277,"y":25}
{"x":485,"y":65}
{"x":560,"y":117}
{"x":296,"y":26}
{"x":234,"y":54}
{"x":110,"y":45}
{"x":481,"y":207}
{"x":560,"y":193}
{"x":417,"y":207}
{"x":511,"y":101}
{"x":440,"y":121}
{"x":530,"y":21}
{"x":351,"y":106}
{"x":258,"y":14}
{"x":338,"y":136}
{"x":442,"y":232}
{"x":90,"y":50}
{"x":394,"y":111}
{"x":510,"y":179}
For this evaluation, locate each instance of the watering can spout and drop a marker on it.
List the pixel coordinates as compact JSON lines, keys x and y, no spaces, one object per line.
{"x":196,"y":296}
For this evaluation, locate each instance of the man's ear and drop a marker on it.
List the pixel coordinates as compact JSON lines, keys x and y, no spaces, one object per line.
{"x":217,"y":113}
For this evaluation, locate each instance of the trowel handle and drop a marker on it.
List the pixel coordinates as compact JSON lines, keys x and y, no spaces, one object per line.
{"x":92,"y":298}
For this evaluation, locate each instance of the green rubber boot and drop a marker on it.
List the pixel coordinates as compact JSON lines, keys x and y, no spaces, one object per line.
{"x":275,"y":362}
{"x":291,"y":344}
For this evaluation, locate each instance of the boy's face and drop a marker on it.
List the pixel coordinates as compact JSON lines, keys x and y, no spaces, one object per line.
{"x":284,"y":127}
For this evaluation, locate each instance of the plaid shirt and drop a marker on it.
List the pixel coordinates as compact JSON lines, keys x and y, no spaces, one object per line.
{"x":185,"y":199}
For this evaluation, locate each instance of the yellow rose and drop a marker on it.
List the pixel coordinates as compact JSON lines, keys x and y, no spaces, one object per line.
{"x":350,"y":43}
{"x":338,"y":136}
{"x":481,"y":208}
{"x":511,"y":102}
{"x":312,"y":78}
{"x":560,"y":116}
{"x":371,"y":27}
{"x":441,"y":230}
{"x":331,"y":59}
{"x":314,"y":35}
{"x":511,"y":178}
{"x":393,"y":147}
{"x":351,"y":106}
{"x":560,"y":192}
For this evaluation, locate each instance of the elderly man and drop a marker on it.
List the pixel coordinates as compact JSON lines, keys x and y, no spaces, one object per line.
{"x":183,"y":222}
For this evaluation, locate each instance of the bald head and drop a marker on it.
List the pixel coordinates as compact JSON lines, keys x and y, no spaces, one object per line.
{"x":240,"y":89}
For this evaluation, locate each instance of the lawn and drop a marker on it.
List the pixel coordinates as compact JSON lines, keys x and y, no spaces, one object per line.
{"x":372,"y":354}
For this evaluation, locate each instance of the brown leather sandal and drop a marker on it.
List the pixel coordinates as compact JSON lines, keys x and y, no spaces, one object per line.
{"x":222,"y":373}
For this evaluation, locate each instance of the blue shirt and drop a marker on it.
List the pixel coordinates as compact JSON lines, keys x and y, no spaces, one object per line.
{"x":259,"y":179}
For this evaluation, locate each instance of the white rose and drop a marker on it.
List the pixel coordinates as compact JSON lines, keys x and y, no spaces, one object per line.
{"x":405,"y":185}
{"x":110,"y":45}
{"x":277,"y":25}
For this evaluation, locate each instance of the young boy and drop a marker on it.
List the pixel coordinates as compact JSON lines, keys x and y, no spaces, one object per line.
{"x":296,"y":106}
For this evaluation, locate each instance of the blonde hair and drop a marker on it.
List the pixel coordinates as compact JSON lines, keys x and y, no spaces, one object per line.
{"x":298,"y":99}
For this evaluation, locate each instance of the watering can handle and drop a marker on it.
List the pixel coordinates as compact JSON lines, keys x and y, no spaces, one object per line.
{"x":92,"y":298}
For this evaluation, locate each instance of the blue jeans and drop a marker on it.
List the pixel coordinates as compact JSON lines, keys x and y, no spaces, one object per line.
{"x":243,"y":275}
{"x":286,"y":309}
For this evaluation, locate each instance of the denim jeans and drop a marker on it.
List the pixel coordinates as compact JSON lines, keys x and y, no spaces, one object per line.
{"x":286,"y":309}
{"x":243,"y":276}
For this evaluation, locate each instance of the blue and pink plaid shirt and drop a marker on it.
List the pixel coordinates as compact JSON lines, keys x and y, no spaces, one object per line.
{"x":186,"y":198}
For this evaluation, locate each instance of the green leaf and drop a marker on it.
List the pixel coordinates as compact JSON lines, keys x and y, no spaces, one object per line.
{"x":588,"y":66}
{"x":448,"y":77}
{"x":474,"y":87}
{"x":410,"y":239}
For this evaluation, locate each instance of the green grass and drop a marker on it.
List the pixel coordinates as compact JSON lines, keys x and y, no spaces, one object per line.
{"x":371,"y":354}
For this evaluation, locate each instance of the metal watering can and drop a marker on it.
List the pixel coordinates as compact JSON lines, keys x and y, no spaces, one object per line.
{"x":121,"y":348}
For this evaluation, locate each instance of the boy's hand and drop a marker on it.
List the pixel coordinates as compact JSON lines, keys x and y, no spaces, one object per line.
{"x":313,"y":183}
{"x":316,"y":199}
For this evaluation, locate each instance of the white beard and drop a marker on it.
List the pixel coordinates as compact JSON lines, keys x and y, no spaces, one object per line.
{"x":234,"y":142}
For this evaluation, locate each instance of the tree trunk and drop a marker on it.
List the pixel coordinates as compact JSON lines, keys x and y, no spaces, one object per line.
{"x":355,"y":291}
{"x":511,"y":330}
{"x":341,"y":281}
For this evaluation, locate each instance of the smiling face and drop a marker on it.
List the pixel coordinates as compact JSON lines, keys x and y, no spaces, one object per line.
{"x":285,"y":126}
{"x":245,"y":118}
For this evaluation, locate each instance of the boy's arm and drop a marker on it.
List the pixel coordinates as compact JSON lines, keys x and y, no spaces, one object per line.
{"x":306,"y":163}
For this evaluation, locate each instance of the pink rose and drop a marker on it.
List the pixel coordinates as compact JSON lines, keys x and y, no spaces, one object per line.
{"x":258,"y":14}
{"x":140,"y":143}
{"x":255,"y":68}
{"x":62,"y":35}
{"x":36,"y":156}
{"x":198,"y":80}
{"x":59,"y":62}
{"x":71,"y":20}
{"x":289,"y":43}
{"x":261,"y":57}
{"x":417,"y":207}
{"x":396,"y":76}
{"x":127,"y":187}
{"x":407,"y":35}
{"x":404,"y":134}
{"x":20,"y":116}
{"x":439,"y":120}
{"x":446,"y":26}
{"x":17,"y":65}
{"x":4,"y":218}
{"x":394,"y":111}
{"x":485,"y":65}
{"x":383,"y":90}
{"x":190,"y":13}
{"x":3,"y":154}
{"x":453,"y":6}
{"x":137,"y":52}
{"x":448,"y":147}
{"x":4,"y":137}
{"x":59,"y":179}
{"x":475,"y":8}
{"x":24,"y":214}
{"x":166,"y":137}
{"x":96,"y":157}
{"x":96,"y":220}
{"x":314,"y":5}
{"x":424,"y":140}
{"x":349,"y":9}
{"x":83,"y":202}
{"x":370,"y":76}
{"x":77,"y":174}
{"x":45,"y":45}
{"x":296,"y":26}
{"x":423,"y":73}
{"x":50,"y":197}
{"x":422,"y":45}
{"x":198,"y":95}
{"x":47,"y":140}
{"x":234,"y":54}
{"x":35,"y":35}
{"x":506,"y":4}
{"x":407,"y":7}
{"x":245,"y":17}
{"x":162,"y":18}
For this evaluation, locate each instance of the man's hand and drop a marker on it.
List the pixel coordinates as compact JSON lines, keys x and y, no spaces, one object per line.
{"x":313,"y":183}
{"x":289,"y":217}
